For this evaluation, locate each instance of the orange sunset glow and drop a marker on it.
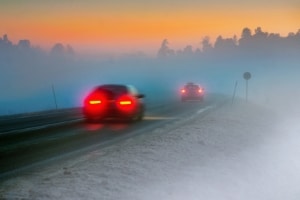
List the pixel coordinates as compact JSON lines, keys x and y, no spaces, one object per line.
{"x":132,"y":29}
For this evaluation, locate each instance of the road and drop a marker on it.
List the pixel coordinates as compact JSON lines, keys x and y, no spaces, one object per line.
{"x":25,"y":151}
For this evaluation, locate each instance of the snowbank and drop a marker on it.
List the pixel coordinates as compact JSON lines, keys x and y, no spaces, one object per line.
{"x":235,"y":152}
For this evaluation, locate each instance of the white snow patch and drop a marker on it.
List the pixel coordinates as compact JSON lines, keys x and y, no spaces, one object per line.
{"x":233,"y":153}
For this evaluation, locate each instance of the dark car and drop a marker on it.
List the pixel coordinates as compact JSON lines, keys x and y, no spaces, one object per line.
{"x":114,"y":101}
{"x":192,"y":92}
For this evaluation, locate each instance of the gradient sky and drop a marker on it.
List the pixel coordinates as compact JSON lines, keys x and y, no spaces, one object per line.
{"x":141,"y":25}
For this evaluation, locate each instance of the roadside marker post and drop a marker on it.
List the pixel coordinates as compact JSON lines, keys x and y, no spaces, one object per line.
{"x":234,"y":92}
{"x":54,"y":96}
{"x":247,"y":76}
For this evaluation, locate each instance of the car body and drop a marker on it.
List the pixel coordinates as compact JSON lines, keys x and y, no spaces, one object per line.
{"x":114,"y":101}
{"x":192,"y":92}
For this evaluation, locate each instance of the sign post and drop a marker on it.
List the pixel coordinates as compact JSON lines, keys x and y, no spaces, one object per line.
{"x":247,"y":76}
{"x":54,"y":96}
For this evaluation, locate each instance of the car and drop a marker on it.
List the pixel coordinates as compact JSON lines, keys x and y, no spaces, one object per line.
{"x":114,"y":101}
{"x":192,"y":92}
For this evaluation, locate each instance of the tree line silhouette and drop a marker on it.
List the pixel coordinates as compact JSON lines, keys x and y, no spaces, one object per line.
{"x":8,"y":50}
{"x":257,"y":44}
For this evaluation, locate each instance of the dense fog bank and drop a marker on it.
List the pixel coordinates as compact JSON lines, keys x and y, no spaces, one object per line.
{"x":30,"y":76}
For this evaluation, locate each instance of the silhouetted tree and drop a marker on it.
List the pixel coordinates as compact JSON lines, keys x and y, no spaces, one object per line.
{"x":225,"y":45}
{"x":57,"y":50}
{"x":6,"y":40}
{"x":246,"y":37}
{"x":164,"y":50}
{"x":206,"y":45}
{"x":246,"y":33}
{"x":188,"y":51}
{"x":5,"y":43}
{"x":70,"y":50}
{"x":24,"y":44}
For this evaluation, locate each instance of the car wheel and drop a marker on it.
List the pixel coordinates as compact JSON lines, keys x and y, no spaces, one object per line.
{"x":139,"y":116}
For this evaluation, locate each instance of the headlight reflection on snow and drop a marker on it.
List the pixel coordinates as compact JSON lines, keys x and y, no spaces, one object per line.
{"x":118,"y":126}
{"x":94,"y":126}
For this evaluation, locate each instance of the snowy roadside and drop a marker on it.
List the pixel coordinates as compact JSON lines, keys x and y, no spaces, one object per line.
{"x":235,"y":152}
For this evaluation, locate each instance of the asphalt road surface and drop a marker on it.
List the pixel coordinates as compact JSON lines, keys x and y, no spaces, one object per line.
{"x":23,"y":151}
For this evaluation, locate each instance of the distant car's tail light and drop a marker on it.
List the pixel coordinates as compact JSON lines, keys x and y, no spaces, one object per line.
{"x":200,"y":90}
{"x":126,"y":103}
{"x":183,"y":91}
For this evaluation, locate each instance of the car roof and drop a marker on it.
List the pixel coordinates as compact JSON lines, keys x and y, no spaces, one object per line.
{"x":112,"y":85}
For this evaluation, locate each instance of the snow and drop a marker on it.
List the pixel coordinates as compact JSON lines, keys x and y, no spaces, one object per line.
{"x":240,"y":151}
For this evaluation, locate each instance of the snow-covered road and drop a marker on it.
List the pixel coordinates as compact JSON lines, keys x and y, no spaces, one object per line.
{"x":235,"y":152}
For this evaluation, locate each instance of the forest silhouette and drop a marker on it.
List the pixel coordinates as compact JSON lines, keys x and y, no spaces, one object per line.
{"x":251,"y":44}
{"x":257,"y":44}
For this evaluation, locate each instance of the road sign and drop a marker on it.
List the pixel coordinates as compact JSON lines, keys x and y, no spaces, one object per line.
{"x":247,"y":75}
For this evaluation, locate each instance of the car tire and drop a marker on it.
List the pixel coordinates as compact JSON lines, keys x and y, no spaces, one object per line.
{"x":140,"y":116}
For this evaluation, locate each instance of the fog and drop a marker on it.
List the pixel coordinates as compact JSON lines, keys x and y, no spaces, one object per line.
{"x":29,"y":73}
{"x":235,"y":152}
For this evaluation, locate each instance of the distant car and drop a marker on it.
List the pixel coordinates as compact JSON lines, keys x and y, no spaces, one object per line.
{"x":114,"y":101}
{"x":192,"y":92}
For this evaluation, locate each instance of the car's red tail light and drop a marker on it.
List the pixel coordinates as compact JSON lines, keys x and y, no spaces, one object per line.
{"x":95,"y":101}
{"x":200,"y":90}
{"x":126,"y":103}
{"x":183,"y":91}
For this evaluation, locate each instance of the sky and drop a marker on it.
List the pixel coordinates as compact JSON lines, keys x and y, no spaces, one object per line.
{"x":140,"y":25}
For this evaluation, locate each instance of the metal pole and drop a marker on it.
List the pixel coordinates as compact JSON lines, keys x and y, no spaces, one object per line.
{"x":234,"y":91}
{"x":54,"y":96}
{"x":246,"y":90}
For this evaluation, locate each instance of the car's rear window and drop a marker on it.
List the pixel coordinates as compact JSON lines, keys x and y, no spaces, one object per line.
{"x":112,"y":91}
{"x":192,"y":87}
